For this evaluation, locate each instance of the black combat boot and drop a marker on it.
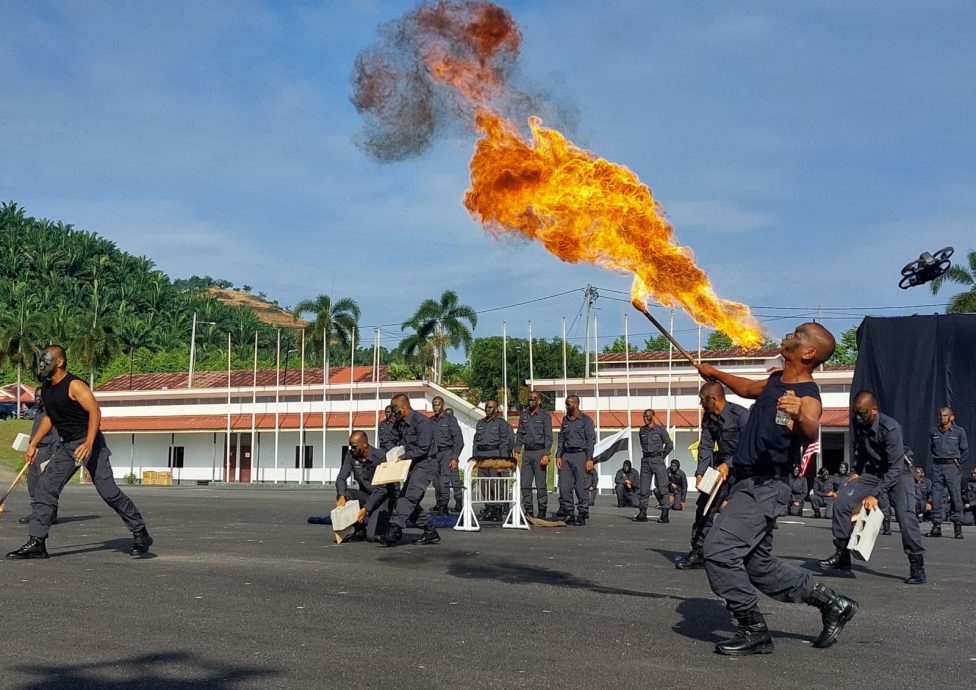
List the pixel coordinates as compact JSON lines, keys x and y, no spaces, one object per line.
{"x":392,"y":536}
{"x":935,"y":532}
{"x":358,"y":533}
{"x":817,"y":515}
{"x":430,"y":536}
{"x":570,"y":519}
{"x":141,"y":541}
{"x":641,"y":516}
{"x":752,"y":637}
{"x":836,"y":611}
{"x":957,"y":531}
{"x":695,"y":560}
{"x":916,"y":576}
{"x":581,"y":519}
{"x":562,"y":514}
{"x":664,"y":516}
{"x":886,"y":527}
{"x":841,"y":560}
{"x":34,"y":548}
{"x":458,"y":506}
{"x":542,"y":513}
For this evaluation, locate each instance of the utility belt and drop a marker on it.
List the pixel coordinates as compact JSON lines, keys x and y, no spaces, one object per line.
{"x":483,"y":447}
{"x":535,"y":446}
{"x":750,"y":471}
{"x":945,"y":461}
{"x":443,"y":448}
{"x":649,"y":456}
{"x":573,"y":449}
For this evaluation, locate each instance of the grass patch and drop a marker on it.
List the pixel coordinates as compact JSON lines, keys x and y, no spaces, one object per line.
{"x":9,"y":429}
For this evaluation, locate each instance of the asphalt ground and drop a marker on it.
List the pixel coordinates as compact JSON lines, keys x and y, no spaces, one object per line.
{"x":242,"y":593}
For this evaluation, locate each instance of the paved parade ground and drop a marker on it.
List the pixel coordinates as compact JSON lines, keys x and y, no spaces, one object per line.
{"x":243,"y":593}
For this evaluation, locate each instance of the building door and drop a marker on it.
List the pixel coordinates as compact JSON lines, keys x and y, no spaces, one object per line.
{"x":245,"y":456}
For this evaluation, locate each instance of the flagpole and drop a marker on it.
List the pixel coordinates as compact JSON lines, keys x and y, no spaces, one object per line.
{"x":227,"y":456}
{"x":352,"y":374}
{"x":254,"y":412}
{"x":301,"y":417}
{"x":667,"y":422}
{"x":596,"y":375}
{"x":277,"y":401}
{"x":565,"y":382}
{"x":376,"y":380}
{"x":505,"y":368}
{"x":531,"y":368}
{"x":630,"y":440}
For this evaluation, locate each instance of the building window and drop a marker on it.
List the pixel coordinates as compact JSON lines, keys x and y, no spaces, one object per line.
{"x":308,"y":457}
{"x":175,"y":456}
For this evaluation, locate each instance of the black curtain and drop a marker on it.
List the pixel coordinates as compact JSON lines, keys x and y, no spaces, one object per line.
{"x":916,"y":364}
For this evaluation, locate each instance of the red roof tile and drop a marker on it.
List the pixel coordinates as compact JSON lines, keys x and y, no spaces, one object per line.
{"x":238,"y":422}
{"x":732,"y":353}
{"x":239,"y":378}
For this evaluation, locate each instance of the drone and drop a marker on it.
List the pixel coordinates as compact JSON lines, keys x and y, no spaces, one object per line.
{"x":926,"y":268}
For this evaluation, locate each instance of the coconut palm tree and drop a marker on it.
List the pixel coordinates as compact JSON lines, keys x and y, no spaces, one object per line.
{"x":336,"y":323}
{"x":441,"y":325}
{"x":964,"y":302}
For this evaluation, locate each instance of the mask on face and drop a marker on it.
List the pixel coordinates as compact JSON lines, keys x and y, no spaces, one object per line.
{"x":863,"y":417}
{"x":45,"y":364}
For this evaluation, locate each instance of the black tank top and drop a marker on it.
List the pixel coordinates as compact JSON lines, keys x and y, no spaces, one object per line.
{"x":69,"y":418}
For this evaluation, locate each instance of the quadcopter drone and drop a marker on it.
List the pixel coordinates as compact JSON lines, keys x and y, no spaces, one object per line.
{"x":927,"y":267}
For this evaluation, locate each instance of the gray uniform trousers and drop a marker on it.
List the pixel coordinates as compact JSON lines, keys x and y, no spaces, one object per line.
{"x":531,"y":473}
{"x":628,"y":497}
{"x":447,"y":479}
{"x":422,"y":474}
{"x":573,"y":478}
{"x":899,"y":484}
{"x":946,"y":475}
{"x":738,"y":549}
{"x":703,"y":523}
{"x":34,"y":472}
{"x":60,"y":469}
{"x":653,"y":466}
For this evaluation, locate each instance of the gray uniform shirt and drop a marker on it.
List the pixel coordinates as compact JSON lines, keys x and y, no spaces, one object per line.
{"x":361,"y":470}
{"x":416,"y":435}
{"x":655,"y":440}
{"x":534,"y":431}
{"x":722,"y":429}
{"x":492,"y":439}
{"x":950,"y":444}
{"x":447,"y":434}
{"x":576,"y":435}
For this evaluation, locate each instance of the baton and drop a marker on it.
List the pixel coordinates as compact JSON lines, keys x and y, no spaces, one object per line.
{"x":16,"y":479}
{"x":687,"y":355}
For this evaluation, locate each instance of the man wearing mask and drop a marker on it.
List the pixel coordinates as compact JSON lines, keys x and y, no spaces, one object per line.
{"x":839,"y":480}
{"x":949,"y":449}
{"x":533,"y":443}
{"x":655,"y":445}
{"x":923,"y":495}
{"x":449,"y":443}
{"x":879,"y":466}
{"x":818,"y":497}
{"x":574,"y":461}
{"x":678,"y":481}
{"x":625,"y":484}
{"x":492,"y":442}
{"x":798,"y":491}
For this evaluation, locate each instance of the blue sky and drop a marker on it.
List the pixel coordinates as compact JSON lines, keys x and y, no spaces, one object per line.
{"x":804,"y":150}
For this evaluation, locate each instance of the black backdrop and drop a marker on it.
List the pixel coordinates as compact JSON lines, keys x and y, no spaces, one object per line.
{"x":915,"y":365}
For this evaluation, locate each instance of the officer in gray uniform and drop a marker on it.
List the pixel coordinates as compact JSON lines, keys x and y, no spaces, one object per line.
{"x":798,"y":492}
{"x":738,"y":549}
{"x":533,"y":443}
{"x":386,"y":435}
{"x":879,"y":466}
{"x":44,"y":450}
{"x":678,"y":481}
{"x":625,"y":486}
{"x":818,"y":498}
{"x":923,"y":494}
{"x":74,"y":413}
{"x":492,"y":441}
{"x":361,"y":461}
{"x":415,"y":433}
{"x":449,"y":444}
{"x":574,"y":461}
{"x":949,"y":449}
{"x":655,"y":446}
{"x":838,"y":481}
{"x":969,"y":499}
{"x":722,"y":422}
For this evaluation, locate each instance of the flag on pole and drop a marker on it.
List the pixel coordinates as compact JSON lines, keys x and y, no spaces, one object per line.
{"x":808,"y":454}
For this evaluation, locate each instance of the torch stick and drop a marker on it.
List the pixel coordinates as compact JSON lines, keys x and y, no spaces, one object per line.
{"x":16,"y":479}
{"x":687,"y":355}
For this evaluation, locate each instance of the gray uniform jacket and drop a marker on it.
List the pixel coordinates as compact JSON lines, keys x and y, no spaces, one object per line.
{"x":492,"y":439}
{"x":622,"y":476}
{"x":877,"y":447}
{"x":798,"y":487}
{"x":951,"y":444}
{"x":724,"y":430}
{"x":655,"y":440}
{"x":576,"y":436}
{"x":534,"y":431}
{"x":416,"y":434}
{"x":386,"y":436}
{"x":361,"y":470}
{"x":447,"y":434}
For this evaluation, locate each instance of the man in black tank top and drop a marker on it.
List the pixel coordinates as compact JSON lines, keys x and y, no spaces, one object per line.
{"x":738,"y":548}
{"x":73,"y":413}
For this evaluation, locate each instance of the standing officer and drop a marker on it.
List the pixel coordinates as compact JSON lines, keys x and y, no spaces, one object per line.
{"x":625,"y":484}
{"x":949,"y":448}
{"x":74,"y":413}
{"x":722,"y":423}
{"x":361,"y":462}
{"x":655,"y":446}
{"x":415,"y":433}
{"x":449,"y":443}
{"x":738,"y":549}
{"x":492,"y":441}
{"x":574,"y":460}
{"x":386,"y":435}
{"x":798,"y":491}
{"x":533,"y":442}
{"x":678,"y":481}
{"x":879,"y":466}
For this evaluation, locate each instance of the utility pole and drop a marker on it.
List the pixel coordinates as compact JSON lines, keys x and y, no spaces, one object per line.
{"x":590,"y":296}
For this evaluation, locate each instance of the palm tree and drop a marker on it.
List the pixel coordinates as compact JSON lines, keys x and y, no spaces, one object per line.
{"x":439,"y":324}
{"x":134,"y":333}
{"x":964,"y":302}
{"x":336,"y":323}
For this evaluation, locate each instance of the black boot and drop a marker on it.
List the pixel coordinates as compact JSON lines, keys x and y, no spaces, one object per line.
{"x":34,"y":548}
{"x":841,"y":560}
{"x":664,"y":516}
{"x":641,"y":516}
{"x":528,"y":511}
{"x":358,"y":533}
{"x":24,"y":520}
{"x":957,"y":532}
{"x":816,"y":515}
{"x":141,"y":541}
{"x":542,"y":513}
{"x":935,"y":532}
{"x":581,"y":519}
{"x":458,"y":506}
{"x":752,"y":637}
{"x":430,"y":536}
{"x":562,"y":514}
{"x":916,"y":576}
{"x":836,"y":611}
{"x":695,"y":560}
{"x":886,"y":527}
{"x":392,"y":536}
